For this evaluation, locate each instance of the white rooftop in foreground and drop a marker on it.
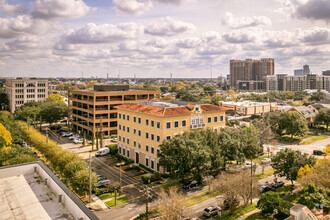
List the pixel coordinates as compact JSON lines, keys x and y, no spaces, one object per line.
{"x":27,"y":198}
{"x":31,"y":191}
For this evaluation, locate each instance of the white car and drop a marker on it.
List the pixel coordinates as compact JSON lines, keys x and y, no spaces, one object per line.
{"x":66,"y":134}
{"x":266,"y":160}
{"x":74,"y":136}
{"x":248,"y":164}
{"x":114,"y":140}
{"x":78,"y":141}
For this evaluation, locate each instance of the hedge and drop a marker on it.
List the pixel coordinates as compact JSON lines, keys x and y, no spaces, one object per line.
{"x":146,"y":168}
{"x":150,"y":176}
{"x":127,"y":160}
{"x":113,"y":149}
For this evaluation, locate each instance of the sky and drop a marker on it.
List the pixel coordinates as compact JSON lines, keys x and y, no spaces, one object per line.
{"x":154,"y":38}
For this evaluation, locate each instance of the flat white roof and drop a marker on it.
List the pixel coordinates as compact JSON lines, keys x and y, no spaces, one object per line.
{"x":246,"y":103}
{"x":25,"y":197}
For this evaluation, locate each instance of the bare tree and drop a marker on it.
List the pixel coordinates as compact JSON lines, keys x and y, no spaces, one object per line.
{"x":172,"y":204}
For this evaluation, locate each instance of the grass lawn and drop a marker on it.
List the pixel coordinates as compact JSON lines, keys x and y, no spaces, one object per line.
{"x":109,"y":195}
{"x":259,"y":216}
{"x":120,"y":201}
{"x":169,"y":185}
{"x":201,"y":197}
{"x":266,"y":174}
{"x":237,"y":213}
{"x":258,"y":160}
{"x":286,"y":139}
{"x":312,"y":140}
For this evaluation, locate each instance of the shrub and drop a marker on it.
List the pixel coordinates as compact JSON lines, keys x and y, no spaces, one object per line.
{"x":113,"y":149}
{"x":127,"y":160}
{"x":165,"y":175}
{"x":312,"y":197}
{"x":270,"y":202}
{"x":146,"y":168}
{"x":150,"y":176}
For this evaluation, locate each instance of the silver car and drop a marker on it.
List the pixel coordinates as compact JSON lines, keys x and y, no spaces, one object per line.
{"x":212,"y":210}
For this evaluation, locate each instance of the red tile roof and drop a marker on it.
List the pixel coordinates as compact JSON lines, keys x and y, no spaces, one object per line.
{"x":167,"y":111}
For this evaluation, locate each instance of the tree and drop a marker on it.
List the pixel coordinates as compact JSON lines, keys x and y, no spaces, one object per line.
{"x":311,"y":197}
{"x":172,"y":204}
{"x":74,"y":166}
{"x":53,"y":111}
{"x":54,"y":98}
{"x":4,"y":102}
{"x":26,"y":113}
{"x":90,"y":84}
{"x":216,"y":99}
{"x":249,"y":141}
{"x":80,"y":181}
{"x":317,"y":175}
{"x":287,"y":163}
{"x":184,"y":155}
{"x":5,"y":137}
{"x":265,"y":132}
{"x":323,"y":117}
{"x":270,"y":203}
{"x":318,"y":96}
{"x":292,"y":123}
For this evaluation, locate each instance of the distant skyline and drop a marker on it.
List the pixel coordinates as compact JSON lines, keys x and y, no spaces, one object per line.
{"x":153,"y":38}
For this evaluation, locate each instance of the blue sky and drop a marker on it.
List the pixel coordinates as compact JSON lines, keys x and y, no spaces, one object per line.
{"x":153,"y":38}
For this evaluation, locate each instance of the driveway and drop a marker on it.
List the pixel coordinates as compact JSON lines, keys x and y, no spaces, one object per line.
{"x":307,"y":148}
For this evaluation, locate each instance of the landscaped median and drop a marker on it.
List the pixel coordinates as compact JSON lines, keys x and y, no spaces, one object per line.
{"x":313,"y":139}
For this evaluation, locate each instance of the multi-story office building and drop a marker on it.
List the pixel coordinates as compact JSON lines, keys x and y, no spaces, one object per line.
{"x":326,"y":73}
{"x":298,"y":72}
{"x":93,"y":111}
{"x":248,"y":74}
{"x":306,"y":70}
{"x":283,"y":82}
{"x":21,"y":90}
{"x":142,"y":127}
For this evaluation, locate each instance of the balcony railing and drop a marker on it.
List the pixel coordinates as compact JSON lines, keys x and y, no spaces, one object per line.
{"x":197,"y":126}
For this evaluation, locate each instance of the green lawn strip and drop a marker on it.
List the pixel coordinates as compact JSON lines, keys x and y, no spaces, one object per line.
{"x":172,"y":184}
{"x":312,"y":140}
{"x":258,"y":160}
{"x":109,"y":195}
{"x":241,"y":210}
{"x":267,"y":173}
{"x":288,"y":140}
{"x":259,"y":216}
{"x":201,"y":197}
{"x":120,"y":201}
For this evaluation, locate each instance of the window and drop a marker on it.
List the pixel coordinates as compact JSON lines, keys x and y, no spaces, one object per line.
{"x":221,"y":117}
{"x":123,"y":151}
{"x":134,"y":131}
{"x":158,"y":152}
{"x":184,"y":123}
{"x":134,"y":118}
{"x":127,"y":117}
{"x":139,"y":133}
{"x":139,"y":144}
{"x":119,"y":116}
{"x":124,"y":116}
{"x":168,"y":125}
{"x":152,"y":150}
{"x":124,"y":128}
{"x":152,"y":164}
{"x":119,"y":138}
{"x":168,"y":137}
{"x":134,"y":143}
{"x":158,"y":124}
{"x":147,"y":135}
{"x":176,"y":124}
{"x":119,"y":127}
{"x":127,"y":140}
{"x":152,"y":123}
{"x":124,"y":139}
{"x":157,"y":167}
{"x":147,"y":122}
{"x":158,"y":138}
{"x":147,"y":162}
{"x":147,"y":147}
{"x":215,"y":119}
{"x":119,"y":150}
{"x":209,"y":119}
{"x":127,"y":129}
{"x":152,"y":137}
{"x":139,"y":120}
{"x":128,"y":153}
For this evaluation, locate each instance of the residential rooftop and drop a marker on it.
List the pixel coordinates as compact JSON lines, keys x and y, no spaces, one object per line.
{"x":246,"y":103}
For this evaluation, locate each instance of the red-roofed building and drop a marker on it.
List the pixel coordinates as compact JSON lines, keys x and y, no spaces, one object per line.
{"x":142,"y":127}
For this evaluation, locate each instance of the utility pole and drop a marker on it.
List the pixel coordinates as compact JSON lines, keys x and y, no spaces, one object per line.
{"x":251,"y":181}
{"x":120,"y":175}
{"x":90,"y":178}
{"x":147,"y":196}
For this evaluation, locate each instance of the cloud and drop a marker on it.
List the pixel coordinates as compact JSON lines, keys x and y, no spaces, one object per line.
{"x":239,"y":37}
{"x":189,"y":43}
{"x":21,"y":25}
{"x":316,"y":35}
{"x":175,"y":2}
{"x":229,"y":20}
{"x":12,"y":9}
{"x":49,"y":9}
{"x":105,"y":33}
{"x":132,"y":6}
{"x":168,"y":26}
{"x":314,"y":9}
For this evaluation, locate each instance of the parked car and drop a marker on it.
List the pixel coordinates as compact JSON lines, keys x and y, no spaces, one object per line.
{"x":266,"y":160}
{"x":74,"y":136}
{"x":67,"y":134}
{"x":61,"y":131}
{"x":265,"y":188}
{"x":317,"y":152}
{"x":101,"y":177}
{"x":102,"y":152}
{"x":277,"y":184}
{"x":191,"y":184}
{"x":212,"y":210}
{"x":103,"y":183}
{"x":248,"y":164}
{"x":78,"y":141}
{"x":114,"y":140}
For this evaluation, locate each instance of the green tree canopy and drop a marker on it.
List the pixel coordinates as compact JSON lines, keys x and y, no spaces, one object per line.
{"x":323,"y":117}
{"x":287,"y":163}
{"x":318,"y":96}
{"x":311,"y":197}
{"x":292,"y":123}
{"x":53,"y":111}
{"x":270,"y":203}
